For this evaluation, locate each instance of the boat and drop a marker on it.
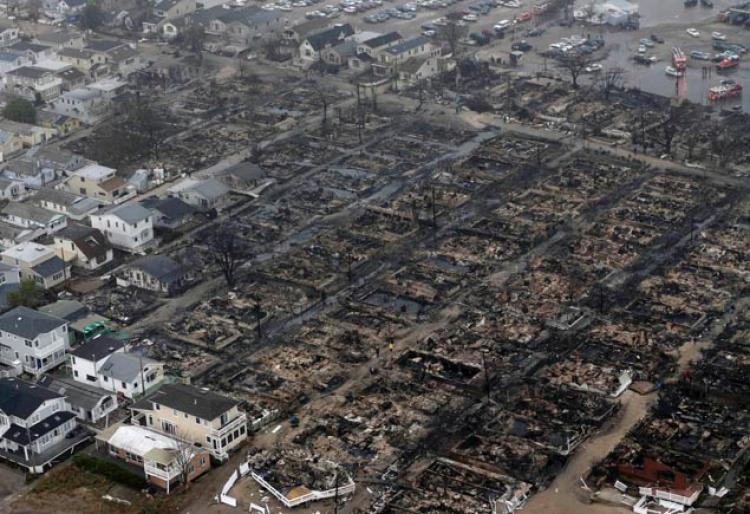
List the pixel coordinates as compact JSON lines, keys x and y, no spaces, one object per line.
{"x":727,"y":64}
{"x":673,"y":72}
{"x":679,"y":61}
{"x":727,"y":89}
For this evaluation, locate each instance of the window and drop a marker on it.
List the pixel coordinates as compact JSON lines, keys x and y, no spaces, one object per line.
{"x":106,"y":379}
{"x":75,"y":372}
{"x":90,"y":378}
{"x":124,"y":385}
{"x":156,"y":406}
{"x":198,"y":420}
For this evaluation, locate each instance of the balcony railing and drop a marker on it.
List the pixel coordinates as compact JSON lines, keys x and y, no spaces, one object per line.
{"x":152,"y":469}
{"x":229,"y":426}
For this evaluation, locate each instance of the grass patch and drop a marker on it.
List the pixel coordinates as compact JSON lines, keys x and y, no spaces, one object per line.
{"x":109,"y":470}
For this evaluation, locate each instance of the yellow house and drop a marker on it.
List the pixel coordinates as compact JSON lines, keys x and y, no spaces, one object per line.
{"x":82,"y":59}
{"x":206,"y":419}
{"x":100,"y":183}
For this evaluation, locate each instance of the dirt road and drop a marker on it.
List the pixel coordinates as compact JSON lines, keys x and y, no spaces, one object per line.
{"x":562,"y":496}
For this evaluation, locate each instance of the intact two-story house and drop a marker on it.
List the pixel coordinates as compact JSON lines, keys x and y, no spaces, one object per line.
{"x":38,"y":263}
{"x":205,"y":418}
{"x":34,"y":424}
{"x":128,"y":227}
{"x":33,"y":83}
{"x":100,"y":183}
{"x":103,"y":362}
{"x":34,"y":340}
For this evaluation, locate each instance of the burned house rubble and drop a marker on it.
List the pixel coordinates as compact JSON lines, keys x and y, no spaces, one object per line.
{"x":370,"y":281}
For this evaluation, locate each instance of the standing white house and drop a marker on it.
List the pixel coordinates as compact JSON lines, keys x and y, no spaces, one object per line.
{"x":103,"y":363}
{"x":32,"y":340}
{"x":35,"y":425}
{"x":129,"y":227}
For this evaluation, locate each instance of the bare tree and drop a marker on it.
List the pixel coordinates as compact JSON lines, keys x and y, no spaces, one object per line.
{"x":325,"y":98}
{"x":143,"y":120}
{"x":194,"y":38}
{"x":34,"y":8}
{"x":729,"y":139}
{"x":452,"y":32}
{"x":677,"y":118}
{"x":610,"y":80}
{"x":271,"y":48}
{"x":574,"y":64}
{"x":228,"y":251}
{"x":184,"y":455}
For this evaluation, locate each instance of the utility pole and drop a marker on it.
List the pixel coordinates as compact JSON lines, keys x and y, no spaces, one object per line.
{"x":257,"y":317}
{"x":486,"y":374}
{"x":434,"y":214}
{"x":336,"y":494}
{"x":143,"y":380}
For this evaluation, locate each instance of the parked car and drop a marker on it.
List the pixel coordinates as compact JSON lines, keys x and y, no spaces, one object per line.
{"x":657,"y":39}
{"x":718,"y":36}
{"x":593,"y":68}
{"x":693,"y":32}
{"x":502,"y":25}
{"x":522,"y":46}
{"x":479,"y":38}
{"x":524,"y":16}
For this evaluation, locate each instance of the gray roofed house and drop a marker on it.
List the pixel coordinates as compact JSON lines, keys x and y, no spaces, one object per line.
{"x":57,"y":159}
{"x":90,"y":403}
{"x":125,"y":367}
{"x":11,"y":281}
{"x":20,"y":398}
{"x":339,"y":55}
{"x":169,"y":212}
{"x":157,"y":273}
{"x":129,"y":374}
{"x":191,"y":400}
{"x":50,"y":267}
{"x":130,"y":213}
{"x":69,"y":310}
{"x":241,"y":176}
{"x":28,"y":215}
{"x":11,"y":235}
{"x":296,"y":33}
{"x":25,"y":46}
{"x":98,"y":348}
{"x":61,"y":38}
{"x":201,"y":194}
{"x":128,"y":227}
{"x":84,"y":246}
{"x":76,"y":314}
{"x":31,"y":72}
{"x":74,"y":206}
{"x":28,"y":323}
{"x":409,"y":44}
{"x":382,"y":40}
{"x":329,"y":37}
{"x":103,"y":45}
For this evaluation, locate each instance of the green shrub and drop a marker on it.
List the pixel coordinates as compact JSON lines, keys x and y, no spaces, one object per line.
{"x":109,"y":470}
